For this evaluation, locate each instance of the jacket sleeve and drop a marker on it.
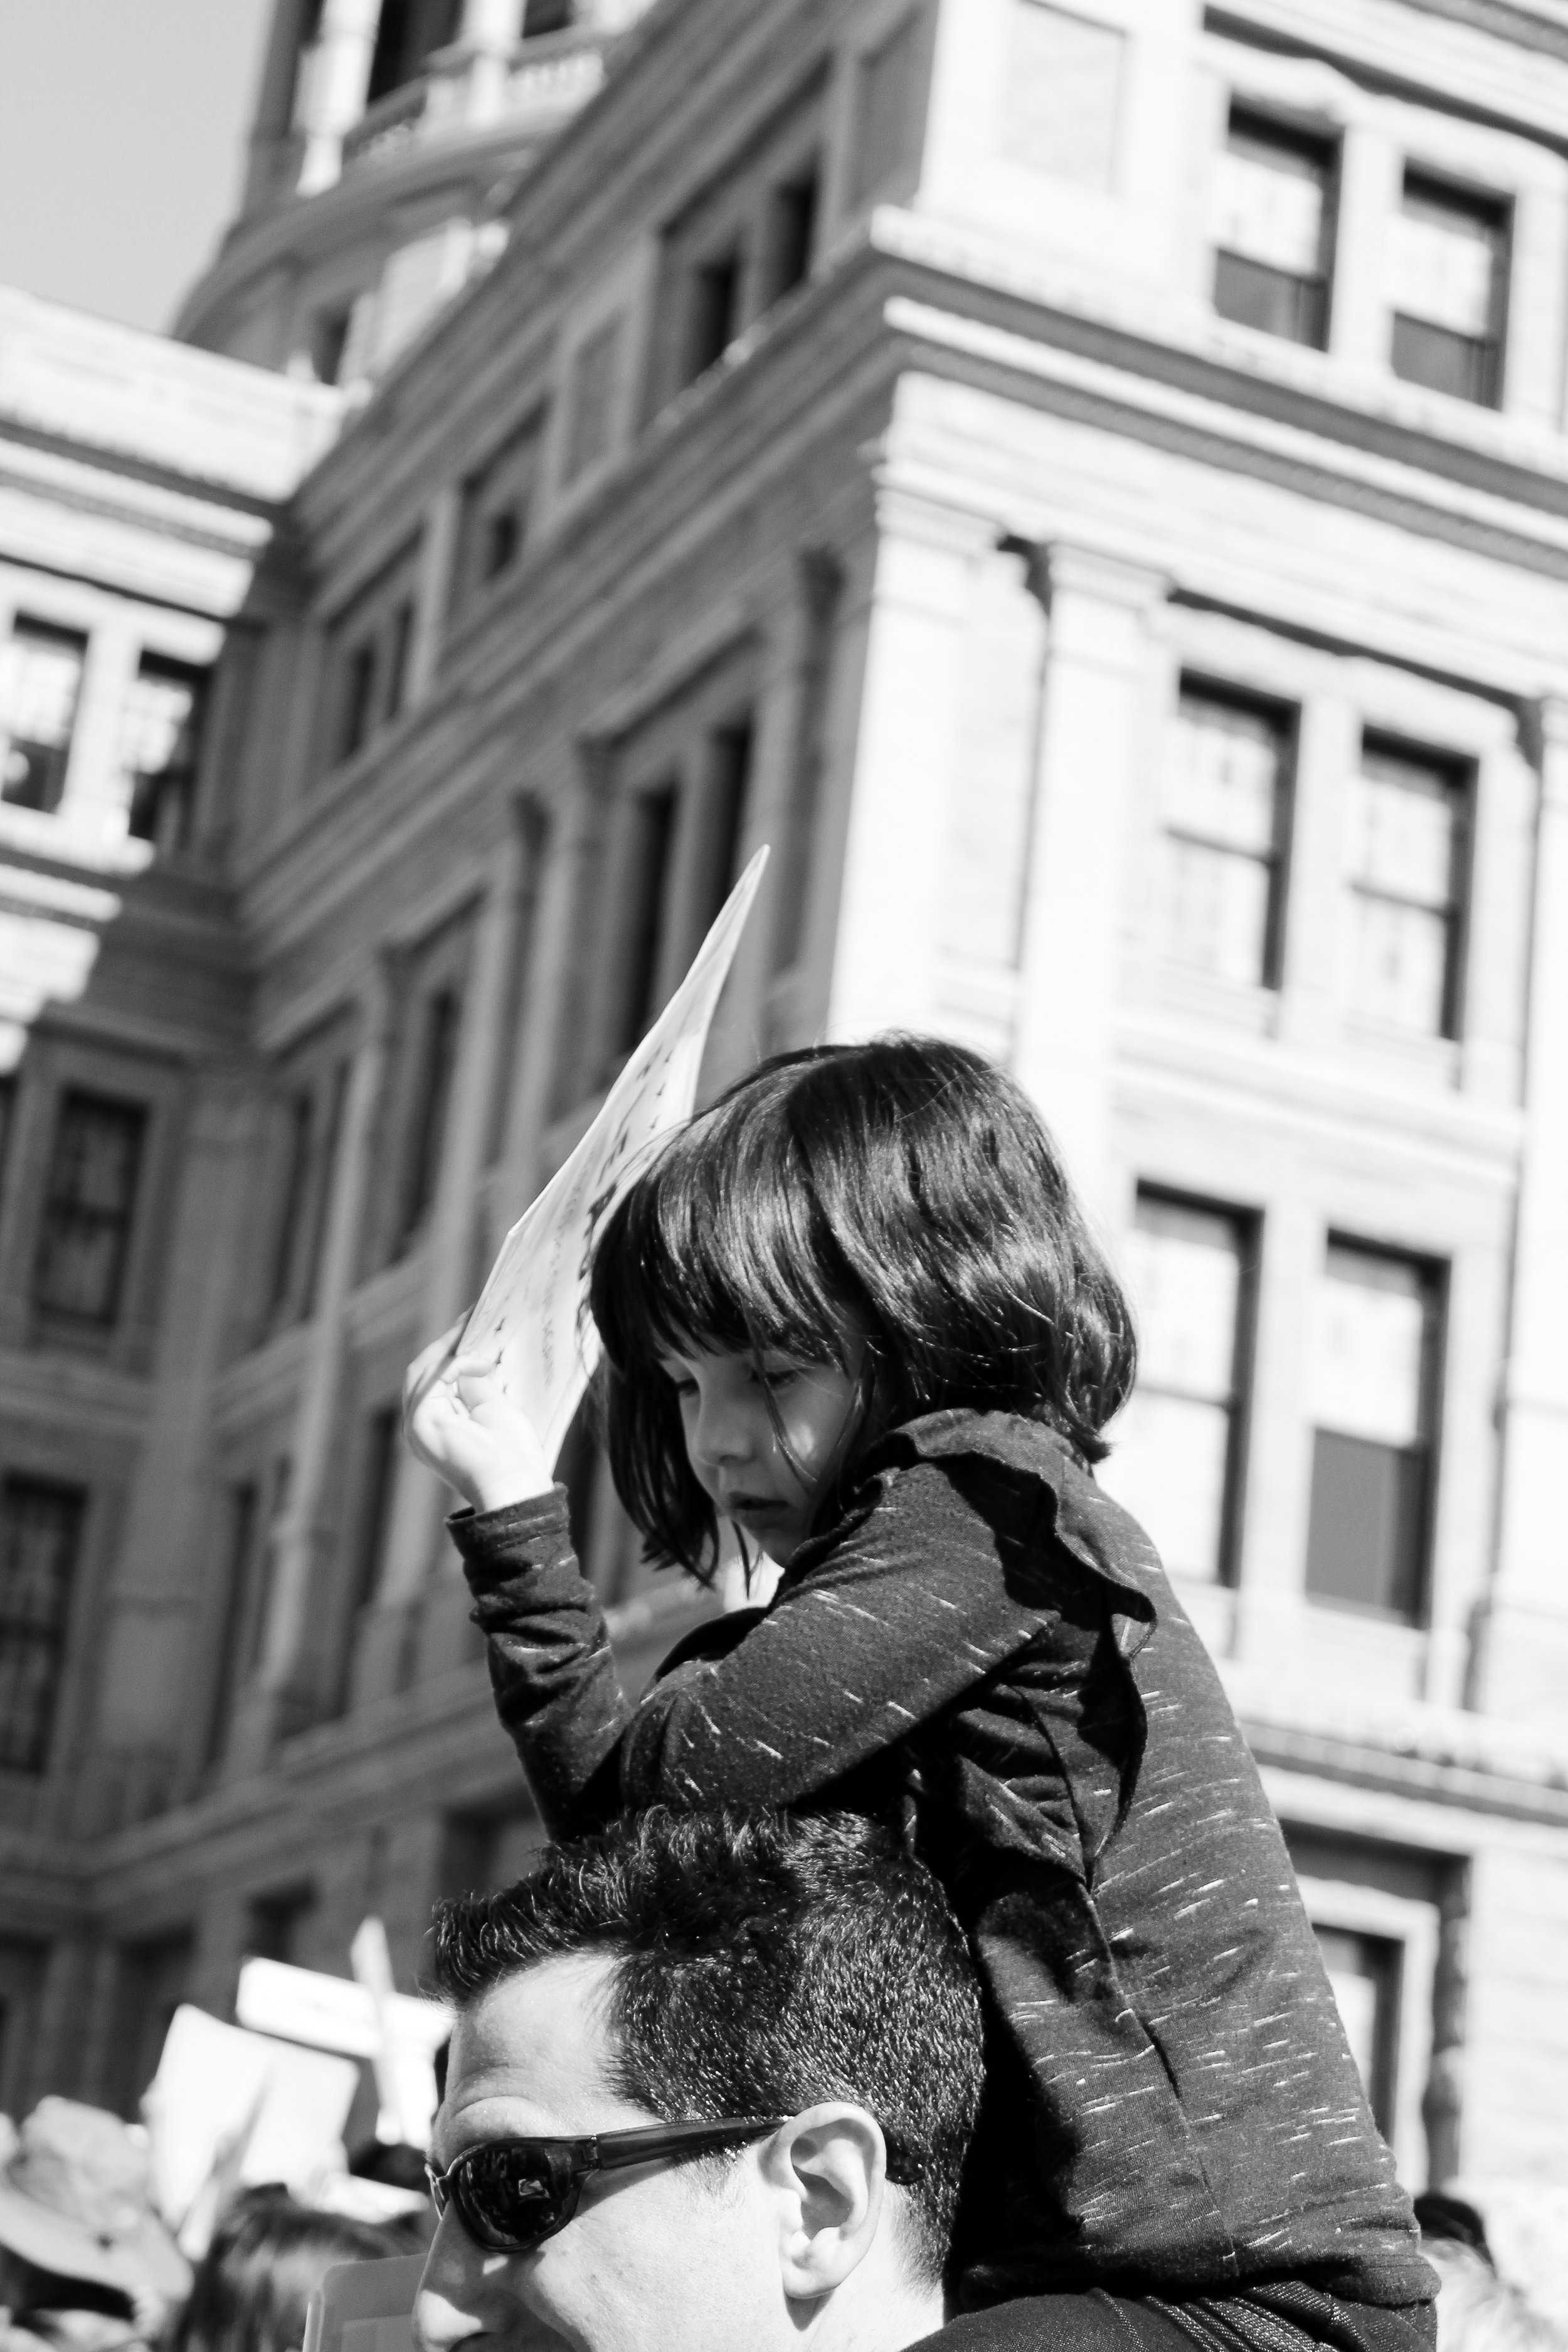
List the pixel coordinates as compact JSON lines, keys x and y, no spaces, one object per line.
{"x":557,"y":1688}
{"x":909,"y":1608}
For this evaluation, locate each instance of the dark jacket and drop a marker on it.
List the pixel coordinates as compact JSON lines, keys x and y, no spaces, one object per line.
{"x":986,"y":1644}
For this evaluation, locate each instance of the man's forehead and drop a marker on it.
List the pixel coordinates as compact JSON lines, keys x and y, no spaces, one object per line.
{"x":533,"y":2044}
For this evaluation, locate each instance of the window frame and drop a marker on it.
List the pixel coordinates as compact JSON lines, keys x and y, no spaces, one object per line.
{"x":1203,"y":685}
{"x":77,"y":1498}
{"x":1461,"y":771}
{"x":48,"y":1316}
{"x":1247,"y":1223}
{"x":1464,"y":192}
{"x":1435,"y":1274}
{"x":26,"y":625}
{"x":1288,"y":131}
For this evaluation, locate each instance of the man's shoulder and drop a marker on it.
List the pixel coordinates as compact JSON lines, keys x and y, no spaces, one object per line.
{"x":1061,"y":2323}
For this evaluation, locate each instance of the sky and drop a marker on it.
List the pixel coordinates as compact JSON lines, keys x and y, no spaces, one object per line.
{"x":122,"y":129}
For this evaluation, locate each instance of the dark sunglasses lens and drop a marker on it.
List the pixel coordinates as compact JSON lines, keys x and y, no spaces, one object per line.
{"x":509,"y":2197}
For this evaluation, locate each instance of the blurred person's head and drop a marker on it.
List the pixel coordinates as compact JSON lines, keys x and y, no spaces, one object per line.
{"x":1477,"y":2311}
{"x":801,"y":1980}
{"x":84,"y":2259}
{"x":267,"y":2257}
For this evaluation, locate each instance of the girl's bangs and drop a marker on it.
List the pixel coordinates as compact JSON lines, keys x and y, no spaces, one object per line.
{"x":722,"y":1250}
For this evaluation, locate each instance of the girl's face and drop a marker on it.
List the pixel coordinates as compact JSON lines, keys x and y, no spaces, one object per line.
{"x":765,"y":1435}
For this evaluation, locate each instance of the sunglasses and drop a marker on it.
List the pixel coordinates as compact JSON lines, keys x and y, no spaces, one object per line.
{"x":511,"y":2194}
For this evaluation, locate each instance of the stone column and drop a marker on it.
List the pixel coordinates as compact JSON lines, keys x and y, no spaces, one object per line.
{"x":1368,"y":198}
{"x":279,"y":1695}
{"x":433,"y":588}
{"x":884,"y":970}
{"x":333,"y":86}
{"x":491,"y":31}
{"x":419,"y":1500}
{"x":1521,"y":1663}
{"x":267,"y":173}
{"x":92,"y":802}
{"x":147,"y":1725}
{"x":1093,"y":722}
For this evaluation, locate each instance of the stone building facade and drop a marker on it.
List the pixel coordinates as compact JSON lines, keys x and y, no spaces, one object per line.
{"x":1089,"y":487}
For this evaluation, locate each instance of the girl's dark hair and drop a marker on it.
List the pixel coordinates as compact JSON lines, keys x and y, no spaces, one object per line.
{"x":905,"y":1191}
{"x":266,"y":2258}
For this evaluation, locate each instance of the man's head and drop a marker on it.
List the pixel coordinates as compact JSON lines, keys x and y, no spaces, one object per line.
{"x":712,"y":1967}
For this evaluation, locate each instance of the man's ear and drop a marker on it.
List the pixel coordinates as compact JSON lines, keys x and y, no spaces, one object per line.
{"x":828,"y":2165}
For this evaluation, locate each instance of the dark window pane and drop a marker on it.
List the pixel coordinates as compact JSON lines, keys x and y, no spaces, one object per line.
{"x":401,"y":641}
{"x":1464,"y":366}
{"x":239,"y":1586}
{"x":442,"y":1019}
{"x":40,"y":1532}
{"x":160,"y":744}
{"x":88,"y":1212}
{"x":1254,"y":295}
{"x":503,"y":537}
{"x":40,"y":677}
{"x":715,"y":312}
{"x":1365,"y":1971}
{"x":1366,"y":1536}
{"x":732,"y":757}
{"x":322,"y":1190}
{"x":296,"y":1193}
{"x":359,"y":697}
{"x":275,"y":1919}
{"x":791,"y":234}
{"x":547,"y":16}
{"x":653,"y":821}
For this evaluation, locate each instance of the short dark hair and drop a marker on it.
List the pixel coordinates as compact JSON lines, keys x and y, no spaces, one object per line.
{"x":266,"y":2258}
{"x":906,"y":1189}
{"x":763,"y":1961}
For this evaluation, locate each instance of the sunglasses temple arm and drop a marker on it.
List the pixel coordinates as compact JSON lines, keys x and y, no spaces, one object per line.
{"x":625,"y":2149}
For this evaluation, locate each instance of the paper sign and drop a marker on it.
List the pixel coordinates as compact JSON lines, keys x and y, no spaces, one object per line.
{"x":364,"y":2306}
{"x":399,"y":2033}
{"x":532,"y":1303}
{"x":227,"y":2106}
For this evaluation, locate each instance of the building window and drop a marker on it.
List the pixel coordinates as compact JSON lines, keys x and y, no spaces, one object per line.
{"x":715,"y":310}
{"x":88,"y":1208}
{"x":407,"y":33}
{"x":41,"y":680}
{"x":1273,"y":226}
{"x":1450,"y":282}
{"x":1224,"y":813}
{"x":652,"y":819}
{"x":595,"y":382}
{"x":369,"y":643}
{"x":493,"y":525}
{"x":40,"y":1535}
{"x":1365,"y":1973}
{"x":1375,"y":1356}
{"x":1175,"y":1464}
{"x":1063,"y":97}
{"x":1409,"y":828}
{"x":274,"y":1923}
{"x":314,"y":1111}
{"x":884,"y":112}
{"x":441,"y":1022}
{"x":547,"y":16}
{"x":160,"y":743}
{"x":242,"y":1553}
{"x":790,"y":233}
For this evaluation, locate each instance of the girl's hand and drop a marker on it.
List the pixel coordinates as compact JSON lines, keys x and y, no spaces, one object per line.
{"x":460,"y":1418}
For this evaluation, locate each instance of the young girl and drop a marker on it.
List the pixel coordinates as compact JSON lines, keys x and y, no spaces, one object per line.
{"x":855,"y":1310}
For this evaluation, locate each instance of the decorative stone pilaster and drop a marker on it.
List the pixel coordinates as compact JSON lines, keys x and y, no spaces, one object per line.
{"x":1097,"y":673}
{"x":279,"y":1695}
{"x":1522,"y":1654}
{"x":901,"y":777}
{"x":420,"y":1501}
{"x":334,"y":79}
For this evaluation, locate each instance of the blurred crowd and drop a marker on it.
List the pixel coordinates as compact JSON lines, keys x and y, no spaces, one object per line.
{"x":87,"y":2265}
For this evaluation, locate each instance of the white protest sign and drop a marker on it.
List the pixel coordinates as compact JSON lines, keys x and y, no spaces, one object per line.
{"x":228,"y":2106}
{"x":398,"y":2032}
{"x":531,"y":1305}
